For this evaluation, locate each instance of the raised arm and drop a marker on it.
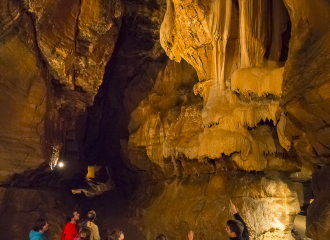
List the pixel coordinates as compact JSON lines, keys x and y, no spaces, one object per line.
{"x":233,"y":210}
{"x":191,"y":235}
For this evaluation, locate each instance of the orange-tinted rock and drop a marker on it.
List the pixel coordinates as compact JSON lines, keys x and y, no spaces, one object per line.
{"x":23,"y":98}
{"x":71,"y":40}
{"x":77,"y":39}
{"x":267,"y":205}
{"x":236,"y":49}
{"x":306,"y":79}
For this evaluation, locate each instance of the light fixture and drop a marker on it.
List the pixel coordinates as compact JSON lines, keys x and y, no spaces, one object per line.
{"x":60,"y":164}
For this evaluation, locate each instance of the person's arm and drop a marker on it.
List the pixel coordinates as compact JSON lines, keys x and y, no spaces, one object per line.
{"x":233,"y":210}
{"x":191,"y":235}
{"x":245,"y":233}
{"x":96,"y":233}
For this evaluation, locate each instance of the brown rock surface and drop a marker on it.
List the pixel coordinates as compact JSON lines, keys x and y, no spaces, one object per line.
{"x":259,"y":110}
{"x":268,"y":206}
{"x":318,"y":216}
{"x":76,"y":38}
{"x":19,"y":209}
{"x":71,"y":40}
{"x":306,"y":78}
{"x":23,"y":98}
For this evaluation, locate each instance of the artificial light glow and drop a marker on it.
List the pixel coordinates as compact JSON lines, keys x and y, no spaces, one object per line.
{"x":60,"y":164}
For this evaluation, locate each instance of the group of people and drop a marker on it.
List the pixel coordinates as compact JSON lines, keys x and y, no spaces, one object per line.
{"x":88,"y":230}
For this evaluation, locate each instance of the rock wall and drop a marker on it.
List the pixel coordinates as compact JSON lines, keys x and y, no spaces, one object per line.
{"x":53,"y":55}
{"x":19,"y":208}
{"x":23,"y":100}
{"x":239,"y":79}
{"x":234,"y":96}
{"x":305,"y":84}
{"x":130,"y":75}
{"x":247,"y":77}
{"x":318,"y":212}
{"x":267,"y":204}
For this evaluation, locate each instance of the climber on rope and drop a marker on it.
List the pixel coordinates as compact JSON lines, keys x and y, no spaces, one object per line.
{"x":236,"y":229}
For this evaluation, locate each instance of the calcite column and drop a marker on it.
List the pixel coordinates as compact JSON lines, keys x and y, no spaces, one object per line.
{"x":254,"y":31}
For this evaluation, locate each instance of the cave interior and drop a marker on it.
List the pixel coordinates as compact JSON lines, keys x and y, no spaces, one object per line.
{"x":157,"y":113}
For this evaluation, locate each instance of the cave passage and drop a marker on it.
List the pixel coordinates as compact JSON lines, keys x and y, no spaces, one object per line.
{"x":157,"y":114}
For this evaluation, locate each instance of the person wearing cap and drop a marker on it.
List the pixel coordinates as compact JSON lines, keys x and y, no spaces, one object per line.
{"x":95,"y":235}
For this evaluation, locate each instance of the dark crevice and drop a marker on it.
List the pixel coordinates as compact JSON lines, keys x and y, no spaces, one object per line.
{"x":286,"y":36}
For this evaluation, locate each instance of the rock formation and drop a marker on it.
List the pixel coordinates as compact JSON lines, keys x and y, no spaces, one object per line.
{"x":24,"y":93}
{"x":318,"y":212}
{"x":21,"y":207}
{"x":54,"y":54}
{"x":200,"y":101}
{"x":268,"y":206}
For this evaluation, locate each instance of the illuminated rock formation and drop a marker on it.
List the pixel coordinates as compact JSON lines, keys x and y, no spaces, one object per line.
{"x":306,"y":98}
{"x":268,"y":206}
{"x":241,"y":87}
{"x":71,"y":40}
{"x":194,"y":90}
{"x":23,"y":93}
{"x":238,"y":49}
{"x":76,"y":38}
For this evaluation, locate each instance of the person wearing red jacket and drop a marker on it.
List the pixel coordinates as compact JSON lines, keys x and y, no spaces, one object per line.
{"x":70,"y":230}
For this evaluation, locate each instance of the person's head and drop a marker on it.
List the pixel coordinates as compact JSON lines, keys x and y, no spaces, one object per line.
{"x":116,"y":234}
{"x":234,"y":228}
{"x":91,"y":215}
{"x":161,"y":237}
{"x":73,"y":217}
{"x":40,"y":225}
{"x":85,"y":234}
{"x":81,"y":224}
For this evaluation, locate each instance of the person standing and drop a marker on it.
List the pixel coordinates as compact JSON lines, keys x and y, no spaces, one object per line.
{"x":236,"y":229}
{"x":39,"y":228}
{"x":95,"y":230}
{"x":70,"y":231}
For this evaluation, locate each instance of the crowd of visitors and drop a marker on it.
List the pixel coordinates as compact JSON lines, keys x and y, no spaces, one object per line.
{"x":86,"y":229}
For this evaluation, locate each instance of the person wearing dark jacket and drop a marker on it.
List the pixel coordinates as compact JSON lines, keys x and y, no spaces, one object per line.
{"x":236,"y":229}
